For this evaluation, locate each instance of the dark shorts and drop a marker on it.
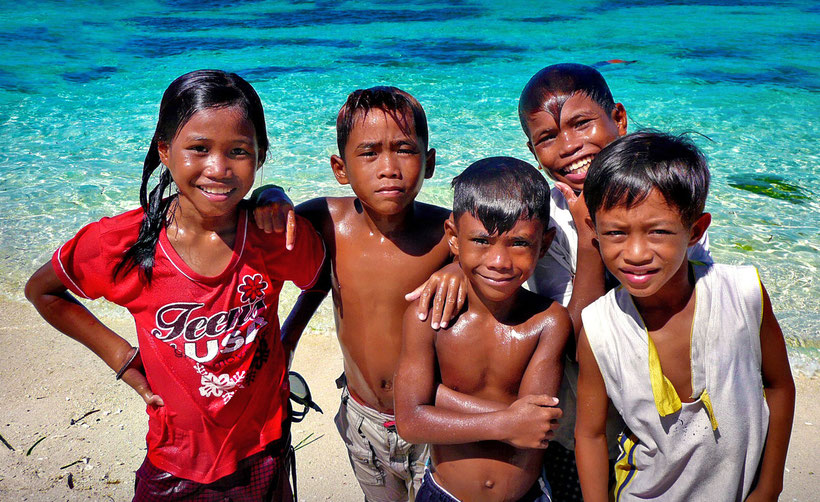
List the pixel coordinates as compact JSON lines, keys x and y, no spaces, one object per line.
{"x":431,"y":491}
{"x":260,"y":477}
{"x":562,"y":473}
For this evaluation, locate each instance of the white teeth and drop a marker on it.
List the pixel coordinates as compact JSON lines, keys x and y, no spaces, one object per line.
{"x":579,"y":166}
{"x":216,"y":190}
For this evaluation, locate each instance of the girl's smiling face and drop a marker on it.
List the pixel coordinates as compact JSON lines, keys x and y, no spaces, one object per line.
{"x":213,"y":159}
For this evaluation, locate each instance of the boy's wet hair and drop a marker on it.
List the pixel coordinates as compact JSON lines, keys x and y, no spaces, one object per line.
{"x":392,"y":101}
{"x":193,"y":92}
{"x":624,"y":173}
{"x":550,"y":88}
{"x":499,"y":191}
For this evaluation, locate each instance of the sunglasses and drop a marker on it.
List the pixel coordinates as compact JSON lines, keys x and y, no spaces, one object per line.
{"x":300,"y":395}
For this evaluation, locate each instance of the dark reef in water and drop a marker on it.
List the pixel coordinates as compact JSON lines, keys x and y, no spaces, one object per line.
{"x":770,"y":185}
{"x":779,"y":76}
{"x":439,"y":51}
{"x":83,"y":77}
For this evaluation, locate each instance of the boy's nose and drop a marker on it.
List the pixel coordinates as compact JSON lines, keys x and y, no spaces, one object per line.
{"x":389,"y":167}
{"x":499,"y":258}
{"x":569,"y":142}
{"x":637,"y":252}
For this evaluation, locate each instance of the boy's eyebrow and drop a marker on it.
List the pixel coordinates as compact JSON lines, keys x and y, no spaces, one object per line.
{"x":364,"y":145}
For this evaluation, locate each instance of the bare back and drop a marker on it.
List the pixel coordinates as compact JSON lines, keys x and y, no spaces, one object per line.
{"x":371,"y":274}
{"x":486,"y":359}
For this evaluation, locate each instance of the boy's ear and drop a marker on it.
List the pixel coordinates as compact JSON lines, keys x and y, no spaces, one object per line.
{"x":532,"y":151}
{"x":337,"y":164}
{"x":430,"y":164}
{"x":619,"y":117}
{"x":699,"y":228}
{"x":451,"y":232}
{"x":163,"y":148}
{"x":549,"y":235}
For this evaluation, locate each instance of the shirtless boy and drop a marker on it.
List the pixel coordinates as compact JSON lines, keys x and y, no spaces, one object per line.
{"x":502,"y":351}
{"x":382,"y":244}
{"x":690,"y":354}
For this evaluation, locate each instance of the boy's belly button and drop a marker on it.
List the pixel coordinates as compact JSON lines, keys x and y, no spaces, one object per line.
{"x":489,"y":483}
{"x":387,"y":385}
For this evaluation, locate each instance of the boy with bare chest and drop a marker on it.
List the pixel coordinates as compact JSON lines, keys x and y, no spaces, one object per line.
{"x":470,"y":389}
{"x":382,"y":245}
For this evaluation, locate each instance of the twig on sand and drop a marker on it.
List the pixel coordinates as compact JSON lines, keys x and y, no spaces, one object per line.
{"x":35,"y":444}
{"x":72,"y":463}
{"x":82,"y":417}
{"x":6,"y":443}
{"x":70,"y":481}
{"x":304,"y":442}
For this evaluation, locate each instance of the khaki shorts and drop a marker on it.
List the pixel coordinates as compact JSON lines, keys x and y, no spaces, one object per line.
{"x":388,"y":468}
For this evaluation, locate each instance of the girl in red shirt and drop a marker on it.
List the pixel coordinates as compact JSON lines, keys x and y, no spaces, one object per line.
{"x":203,"y":286}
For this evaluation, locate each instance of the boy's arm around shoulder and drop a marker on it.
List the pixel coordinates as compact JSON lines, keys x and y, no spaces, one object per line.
{"x":419,"y":421}
{"x":546,"y":367}
{"x":779,"y":387}
{"x":591,"y":452}
{"x":317,"y":213}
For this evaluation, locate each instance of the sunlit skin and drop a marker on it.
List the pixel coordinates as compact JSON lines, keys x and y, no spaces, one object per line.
{"x":213,"y":159}
{"x":382,"y":244}
{"x":503,"y":354}
{"x":564,"y":145}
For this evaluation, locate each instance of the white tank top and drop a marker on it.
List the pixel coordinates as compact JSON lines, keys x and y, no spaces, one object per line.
{"x":708,"y":449}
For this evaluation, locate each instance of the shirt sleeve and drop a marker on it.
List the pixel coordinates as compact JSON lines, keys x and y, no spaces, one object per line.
{"x":552,"y":280}
{"x":306,"y":258}
{"x":80,"y":263}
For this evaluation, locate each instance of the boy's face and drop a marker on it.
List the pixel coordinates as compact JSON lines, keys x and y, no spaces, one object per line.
{"x":497,"y":265}
{"x":565,"y":145}
{"x":645,"y":246}
{"x":385,"y":166}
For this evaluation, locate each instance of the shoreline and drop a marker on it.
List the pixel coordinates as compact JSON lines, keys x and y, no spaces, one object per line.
{"x":49,"y":382}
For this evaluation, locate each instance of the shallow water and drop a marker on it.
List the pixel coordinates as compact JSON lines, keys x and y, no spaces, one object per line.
{"x":80,"y":85}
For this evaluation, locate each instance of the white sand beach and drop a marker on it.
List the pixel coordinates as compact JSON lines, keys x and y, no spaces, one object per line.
{"x":47,"y":381}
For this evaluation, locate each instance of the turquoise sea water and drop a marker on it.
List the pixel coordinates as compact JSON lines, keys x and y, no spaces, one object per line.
{"x":80,"y":85}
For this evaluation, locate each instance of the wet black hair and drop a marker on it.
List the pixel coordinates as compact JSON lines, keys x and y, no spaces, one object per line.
{"x":499,"y":191}
{"x":623,"y":174}
{"x":550,"y":88}
{"x":188,"y":94}
{"x":392,"y":101}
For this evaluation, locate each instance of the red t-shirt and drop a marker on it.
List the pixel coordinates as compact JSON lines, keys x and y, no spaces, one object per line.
{"x":210,"y":345}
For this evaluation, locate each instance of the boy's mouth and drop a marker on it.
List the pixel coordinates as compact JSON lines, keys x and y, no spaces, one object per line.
{"x":390,"y":190}
{"x":577,"y":171}
{"x":638,"y":276}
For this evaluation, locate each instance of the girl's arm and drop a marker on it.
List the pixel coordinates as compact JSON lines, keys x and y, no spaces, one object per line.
{"x":591,"y":452}
{"x":53,"y":301}
{"x":779,"y":388}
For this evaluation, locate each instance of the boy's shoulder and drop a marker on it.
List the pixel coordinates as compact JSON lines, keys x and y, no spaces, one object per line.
{"x":542,"y":311}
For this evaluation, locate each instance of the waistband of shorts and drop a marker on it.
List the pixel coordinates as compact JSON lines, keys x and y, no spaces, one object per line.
{"x":428,"y":478}
{"x":385,"y":419}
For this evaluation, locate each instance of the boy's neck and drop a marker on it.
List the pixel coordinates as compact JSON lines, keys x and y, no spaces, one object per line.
{"x":385,"y":224}
{"x":671,"y":298}
{"x":500,"y":310}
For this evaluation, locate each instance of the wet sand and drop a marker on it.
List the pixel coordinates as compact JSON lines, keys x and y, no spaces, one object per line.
{"x":47,"y":380}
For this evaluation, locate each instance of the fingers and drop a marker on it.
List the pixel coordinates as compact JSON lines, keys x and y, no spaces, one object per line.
{"x":428,"y":290}
{"x":568,"y":192}
{"x":290,"y":233}
{"x":542,"y":400}
{"x":451,"y":302}
{"x":438,"y":304}
{"x":153,"y":400}
{"x":415,"y":293}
